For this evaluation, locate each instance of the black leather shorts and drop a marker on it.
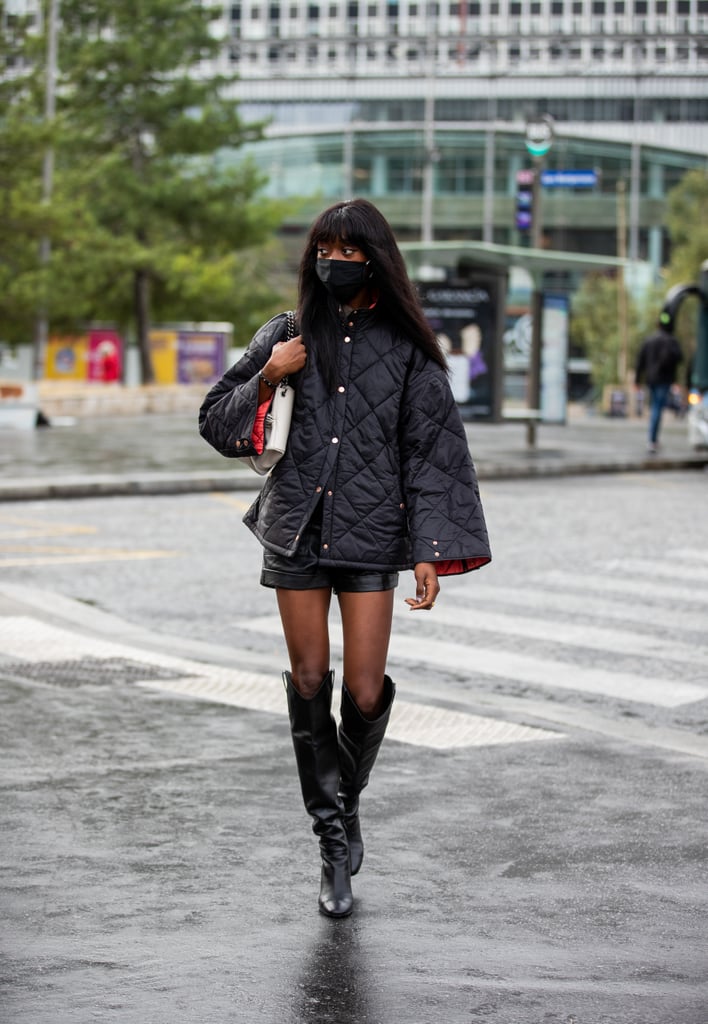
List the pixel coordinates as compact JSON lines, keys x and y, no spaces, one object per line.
{"x":304,"y":572}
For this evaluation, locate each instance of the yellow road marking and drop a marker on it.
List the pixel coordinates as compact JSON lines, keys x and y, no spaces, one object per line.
{"x":228,"y":499}
{"x":17,"y":528}
{"x":87,"y":556}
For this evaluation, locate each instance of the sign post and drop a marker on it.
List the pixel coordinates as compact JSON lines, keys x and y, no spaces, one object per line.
{"x":539,"y":139}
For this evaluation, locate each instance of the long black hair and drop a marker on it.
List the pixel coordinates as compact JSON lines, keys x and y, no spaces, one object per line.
{"x":360,"y":223}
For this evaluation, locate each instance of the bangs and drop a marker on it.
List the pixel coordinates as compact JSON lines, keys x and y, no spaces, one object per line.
{"x":341,"y":224}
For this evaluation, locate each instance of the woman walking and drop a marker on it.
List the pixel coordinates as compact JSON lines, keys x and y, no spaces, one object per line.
{"x":377,"y":478}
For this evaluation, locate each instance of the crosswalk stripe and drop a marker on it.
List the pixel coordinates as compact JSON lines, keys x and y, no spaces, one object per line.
{"x":30,"y":641}
{"x":647,"y":587}
{"x":620,"y":641}
{"x":609,"y":607}
{"x":657,"y":568}
{"x":687,"y":555}
{"x":473,"y":660}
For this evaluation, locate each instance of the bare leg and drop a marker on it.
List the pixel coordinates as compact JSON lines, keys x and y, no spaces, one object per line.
{"x":303,"y":614}
{"x":366,"y":623}
{"x":314,"y":735}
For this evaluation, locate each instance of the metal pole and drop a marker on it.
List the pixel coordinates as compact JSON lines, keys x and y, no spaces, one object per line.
{"x":537,"y":204}
{"x":45,"y":246}
{"x":489,"y":156}
{"x":623,"y":348}
{"x":426,"y":215}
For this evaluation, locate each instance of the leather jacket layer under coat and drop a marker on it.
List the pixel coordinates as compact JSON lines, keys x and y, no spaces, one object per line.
{"x":385,"y":452}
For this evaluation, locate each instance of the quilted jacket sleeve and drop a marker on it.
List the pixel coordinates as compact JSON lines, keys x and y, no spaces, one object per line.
{"x":229,"y":410}
{"x":445,"y":517}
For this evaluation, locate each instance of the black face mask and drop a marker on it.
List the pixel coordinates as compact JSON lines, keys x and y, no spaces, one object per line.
{"x":343,"y":279}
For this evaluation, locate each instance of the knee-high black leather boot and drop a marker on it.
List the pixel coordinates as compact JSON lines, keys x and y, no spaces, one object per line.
{"x":314,"y":733}
{"x":359,"y":742}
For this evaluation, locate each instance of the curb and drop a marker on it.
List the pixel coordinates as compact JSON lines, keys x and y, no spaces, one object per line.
{"x":143,"y":484}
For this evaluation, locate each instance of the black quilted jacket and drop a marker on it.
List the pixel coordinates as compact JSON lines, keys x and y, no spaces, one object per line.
{"x":386,"y":453}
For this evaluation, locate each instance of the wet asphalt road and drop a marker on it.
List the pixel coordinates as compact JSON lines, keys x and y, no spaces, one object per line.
{"x":157,"y":864}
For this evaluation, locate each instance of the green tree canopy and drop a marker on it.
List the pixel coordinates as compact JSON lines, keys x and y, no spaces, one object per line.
{"x":146,"y":215}
{"x":595,"y":327}
{"x":687,"y":224}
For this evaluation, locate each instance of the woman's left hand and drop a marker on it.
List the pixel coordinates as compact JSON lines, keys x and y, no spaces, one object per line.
{"x":427,"y":587}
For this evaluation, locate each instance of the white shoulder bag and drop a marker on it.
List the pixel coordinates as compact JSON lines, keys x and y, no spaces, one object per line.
{"x":277,"y":421}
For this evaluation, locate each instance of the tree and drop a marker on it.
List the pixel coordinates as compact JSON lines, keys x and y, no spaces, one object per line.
{"x":23,"y":137}
{"x":687,"y":223}
{"x":162,"y":214}
{"x":595,"y":327}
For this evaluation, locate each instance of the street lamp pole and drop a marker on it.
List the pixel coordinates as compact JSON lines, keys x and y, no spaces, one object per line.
{"x":45,"y":246}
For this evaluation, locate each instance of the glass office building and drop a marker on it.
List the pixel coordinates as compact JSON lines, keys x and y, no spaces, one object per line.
{"x":422,"y":107}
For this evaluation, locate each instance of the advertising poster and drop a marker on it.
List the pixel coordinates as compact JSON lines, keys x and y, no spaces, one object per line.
{"x":163,"y":350}
{"x":105,"y":356}
{"x":66,"y":358}
{"x":554,"y":359}
{"x":462,"y":316}
{"x":201,"y":356}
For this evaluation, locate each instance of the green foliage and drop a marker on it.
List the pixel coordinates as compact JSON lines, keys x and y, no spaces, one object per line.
{"x":687,"y":223}
{"x":594,"y":327}
{"x":141,"y":200}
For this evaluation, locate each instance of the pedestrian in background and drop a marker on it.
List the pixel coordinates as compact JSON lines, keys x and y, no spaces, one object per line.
{"x":657,"y":363}
{"x":377,"y":478}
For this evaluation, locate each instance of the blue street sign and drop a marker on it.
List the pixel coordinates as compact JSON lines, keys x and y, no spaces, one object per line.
{"x":569,"y":179}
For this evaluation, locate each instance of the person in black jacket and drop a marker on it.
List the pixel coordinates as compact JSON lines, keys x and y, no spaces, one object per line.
{"x":657,"y":363}
{"x":376,"y":479}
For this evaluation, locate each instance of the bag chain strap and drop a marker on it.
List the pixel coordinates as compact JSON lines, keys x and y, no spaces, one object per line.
{"x":289,"y":337}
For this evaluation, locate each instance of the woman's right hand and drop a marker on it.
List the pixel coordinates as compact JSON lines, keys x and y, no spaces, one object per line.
{"x":287,"y":357}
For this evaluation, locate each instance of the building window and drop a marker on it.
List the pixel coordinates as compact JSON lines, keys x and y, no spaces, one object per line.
{"x":557,"y":8}
{"x":313,"y":12}
{"x":598,"y":6}
{"x":236,"y":12}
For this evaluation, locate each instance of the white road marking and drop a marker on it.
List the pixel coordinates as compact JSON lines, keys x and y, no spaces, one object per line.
{"x":590,"y":604}
{"x":23,"y":638}
{"x":473,"y":660}
{"x":598,"y":638}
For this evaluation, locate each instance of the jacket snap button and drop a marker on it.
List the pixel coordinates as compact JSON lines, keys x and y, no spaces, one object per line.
{"x":437,"y":554}
{"x":317,"y":490}
{"x":335,"y":440}
{"x":341,"y":389}
{"x":325,"y":546}
{"x":347,"y":340}
{"x":329,"y":494}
